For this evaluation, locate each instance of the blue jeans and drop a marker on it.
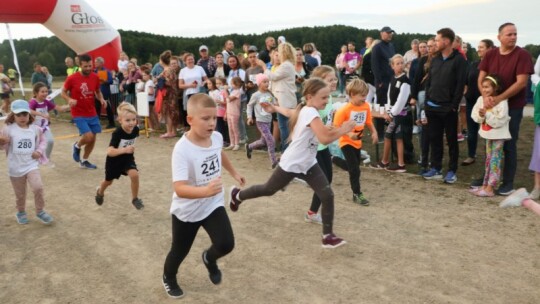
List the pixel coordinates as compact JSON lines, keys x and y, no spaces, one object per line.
{"x":510,"y":148}
{"x":283,"y":124}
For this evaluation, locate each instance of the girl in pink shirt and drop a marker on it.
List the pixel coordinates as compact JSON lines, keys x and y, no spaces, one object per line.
{"x":233,"y":112}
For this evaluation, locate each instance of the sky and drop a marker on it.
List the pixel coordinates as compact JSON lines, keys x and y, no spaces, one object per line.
{"x":473,"y":20}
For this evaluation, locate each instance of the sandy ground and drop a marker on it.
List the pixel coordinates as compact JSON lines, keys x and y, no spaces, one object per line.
{"x":418,"y":242}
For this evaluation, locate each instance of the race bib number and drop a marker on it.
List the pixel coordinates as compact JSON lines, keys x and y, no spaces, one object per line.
{"x":352,"y":63}
{"x":209,"y":169}
{"x":359,"y":117}
{"x":23,"y":145}
{"x":126,"y":142}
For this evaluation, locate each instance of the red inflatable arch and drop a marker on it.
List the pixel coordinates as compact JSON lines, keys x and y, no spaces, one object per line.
{"x":74,"y":22}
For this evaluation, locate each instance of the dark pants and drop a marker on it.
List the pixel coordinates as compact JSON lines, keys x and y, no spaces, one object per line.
{"x":324,"y":159}
{"x":424,"y":145}
{"x":510,"y":148}
{"x":472,"y":130}
{"x":219,"y":229}
{"x":315,"y":179}
{"x":407,"y":130}
{"x":440,"y":123}
{"x":382,"y":98}
{"x":223,"y":128}
{"x":110,"y":114}
{"x":352,"y":156}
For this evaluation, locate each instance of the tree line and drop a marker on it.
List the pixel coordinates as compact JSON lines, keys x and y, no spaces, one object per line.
{"x":146,"y":47}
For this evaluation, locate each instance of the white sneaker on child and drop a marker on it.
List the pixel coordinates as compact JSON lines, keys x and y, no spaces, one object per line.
{"x":515,"y":199}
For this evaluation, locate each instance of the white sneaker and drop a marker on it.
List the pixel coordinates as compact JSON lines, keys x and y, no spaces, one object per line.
{"x":535,"y":194}
{"x":313,"y":218}
{"x":515,"y":199}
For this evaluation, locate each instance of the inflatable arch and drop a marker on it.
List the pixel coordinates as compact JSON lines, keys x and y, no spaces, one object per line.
{"x":74,"y":22}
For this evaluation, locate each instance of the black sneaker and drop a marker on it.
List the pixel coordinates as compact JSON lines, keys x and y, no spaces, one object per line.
{"x":99,"y":197}
{"x":248,"y":151}
{"x":381,"y":165}
{"x":233,"y":202}
{"x":505,"y":190}
{"x":137,"y":202}
{"x":172,"y":288}
{"x":213,"y":271}
{"x":396,"y":168}
{"x":475,"y":183}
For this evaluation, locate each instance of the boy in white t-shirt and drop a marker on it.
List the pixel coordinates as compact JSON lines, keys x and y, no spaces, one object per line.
{"x":198,"y":193}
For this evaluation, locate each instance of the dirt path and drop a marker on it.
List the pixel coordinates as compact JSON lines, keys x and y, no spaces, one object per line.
{"x":418,"y":242}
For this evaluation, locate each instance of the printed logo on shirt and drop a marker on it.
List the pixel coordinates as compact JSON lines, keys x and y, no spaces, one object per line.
{"x":209,"y":169}
{"x":85,"y":91}
{"x":23,"y":146}
{"x":126,"y":142}
{"x":359,"y":117}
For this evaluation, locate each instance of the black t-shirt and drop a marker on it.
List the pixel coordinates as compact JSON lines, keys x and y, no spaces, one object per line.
{"x":121,"y":139}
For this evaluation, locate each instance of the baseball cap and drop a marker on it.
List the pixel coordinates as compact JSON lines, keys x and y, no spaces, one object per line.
{"x":387,"y":29}
{"x":19,"y":106}
{"x":252,"y":48}
{"x":203,"y":47}
{"x":281,"y":39}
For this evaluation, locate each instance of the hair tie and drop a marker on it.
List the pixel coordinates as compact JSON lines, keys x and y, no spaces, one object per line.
{"x":492,"y":80}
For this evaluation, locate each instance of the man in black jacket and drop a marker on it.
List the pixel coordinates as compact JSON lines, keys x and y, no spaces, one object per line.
{"x":380,"y":65}
{"x":444,"y":90}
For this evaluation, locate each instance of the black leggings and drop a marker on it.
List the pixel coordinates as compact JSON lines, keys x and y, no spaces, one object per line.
{"x":218,"y":227}
{"x":352,"y":156}
{"x":324,"y":159}
{"x":315,"y":179}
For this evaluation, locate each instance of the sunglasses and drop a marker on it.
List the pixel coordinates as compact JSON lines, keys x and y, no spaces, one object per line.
{"x":21,"y":114}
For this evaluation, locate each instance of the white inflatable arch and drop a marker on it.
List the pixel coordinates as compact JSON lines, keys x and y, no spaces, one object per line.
{"x":74,"y":22}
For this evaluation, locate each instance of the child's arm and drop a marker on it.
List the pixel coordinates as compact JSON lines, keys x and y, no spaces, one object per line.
{"x":229,"y":167}
{"x":4,"y":139}
{"x":327,"y":135}
{"x":36,"y":113}
{"x":183,"y":189}
{"x":402,"y":98}
{"x":112,"y":151}
{"x":250,"y":106}
{"x":477,"y":115}
{"x":271,"y":108}
{"x":374,"y":135}
{"x":41,"y":144}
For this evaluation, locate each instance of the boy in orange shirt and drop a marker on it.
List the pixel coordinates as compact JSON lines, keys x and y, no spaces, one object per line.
{"x":351,"y":143}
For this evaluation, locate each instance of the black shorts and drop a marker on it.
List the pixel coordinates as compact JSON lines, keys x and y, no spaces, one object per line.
{"x":395,"y":128}
{"x":4,"y":96}
{"x":114,"y":171}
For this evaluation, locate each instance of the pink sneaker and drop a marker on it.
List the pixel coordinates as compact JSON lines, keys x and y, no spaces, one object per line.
{"x":332,"y":241}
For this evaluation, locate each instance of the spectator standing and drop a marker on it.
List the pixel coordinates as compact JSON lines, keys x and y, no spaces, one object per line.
{"x":207,"y":62}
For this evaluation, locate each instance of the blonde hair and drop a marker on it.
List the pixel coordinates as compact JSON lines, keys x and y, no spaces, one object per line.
{"x":322,"y":71}
{"x":311,"y":87}
{"x":396,"y":56}
{"x":357,"y":87}
{"x":287,"y":52}
{"x":198,"y":101}
{"x":125,"y":108}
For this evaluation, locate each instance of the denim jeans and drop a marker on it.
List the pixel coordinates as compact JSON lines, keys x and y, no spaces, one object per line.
{"x":510,"y":148}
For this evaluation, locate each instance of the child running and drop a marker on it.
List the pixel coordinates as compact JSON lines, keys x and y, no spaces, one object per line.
{"x":233,"y":112}
{"x":299,"y":160}
{"x":25,"y":148}
{"x":198,"y":196}
{"x":120,"y":159}
{"x":264,"y":119}
{"x":358,"y":112}
{"x":398,"y":95}
{"x":40,"y":107}
{"x":494,"y":127}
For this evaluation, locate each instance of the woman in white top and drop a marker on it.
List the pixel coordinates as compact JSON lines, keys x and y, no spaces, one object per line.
{"x":284,"y":86}
{"x":191,"y":78}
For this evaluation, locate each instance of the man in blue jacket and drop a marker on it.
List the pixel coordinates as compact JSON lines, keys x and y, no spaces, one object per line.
{"x":444,"y":90}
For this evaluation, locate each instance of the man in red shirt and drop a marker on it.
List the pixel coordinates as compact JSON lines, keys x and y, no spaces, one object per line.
{"x":83,"y":86}
{"x":513,"y":65}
